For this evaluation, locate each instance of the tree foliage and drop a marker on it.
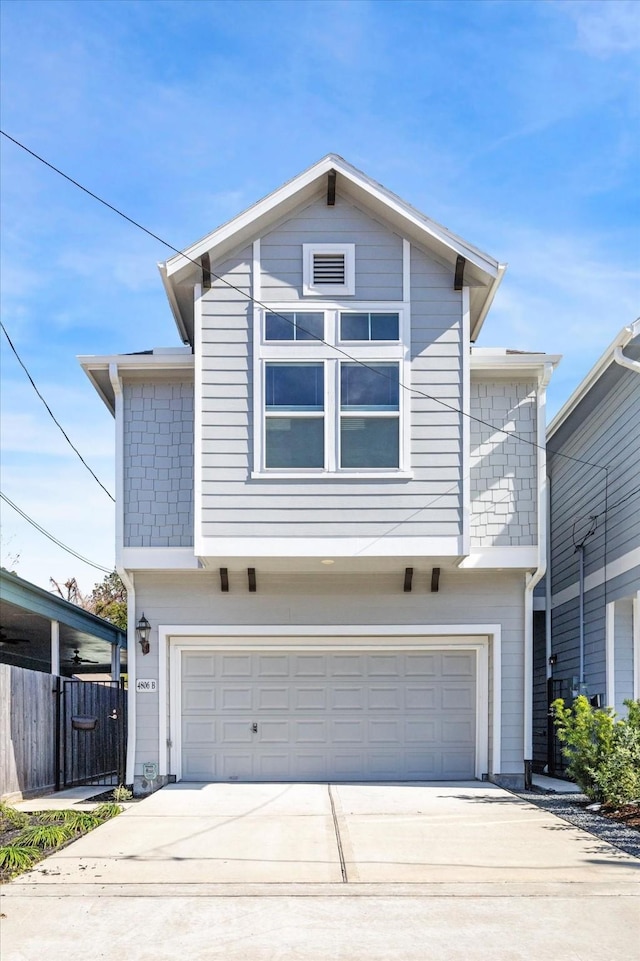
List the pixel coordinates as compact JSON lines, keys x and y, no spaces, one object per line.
{"x":108,"y":599}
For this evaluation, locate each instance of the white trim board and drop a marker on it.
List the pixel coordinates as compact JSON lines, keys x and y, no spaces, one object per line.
{"x":221,"y":547}
{"x":621,"y":565}
{"x":484,"y":638}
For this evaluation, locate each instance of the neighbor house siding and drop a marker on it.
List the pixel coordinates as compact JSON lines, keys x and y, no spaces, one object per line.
{"x":337,"y":599}
{"x":601,"y":432}
{"x":158,"y":464}
{"x":234,"y":504}
{"x":503,"y":467}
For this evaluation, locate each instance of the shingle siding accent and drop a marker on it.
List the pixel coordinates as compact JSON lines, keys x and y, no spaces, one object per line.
{"x":158,"y":465}
{"x":503,"y":469}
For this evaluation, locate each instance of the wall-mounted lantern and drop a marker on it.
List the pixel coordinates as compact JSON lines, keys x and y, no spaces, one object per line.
{"x":143,"y":630}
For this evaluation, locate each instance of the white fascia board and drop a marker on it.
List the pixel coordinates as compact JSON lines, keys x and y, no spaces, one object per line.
{"x":268,"y":204}
{"x":159,"y":559}
{"x":502,"y":558}
{"x":230,"y":547}
{"x":488,"y":301}
{"x":487,"y":359}
{"x":167,"y":359}
{"x":173,"y":303}
{"x":626,"y":335}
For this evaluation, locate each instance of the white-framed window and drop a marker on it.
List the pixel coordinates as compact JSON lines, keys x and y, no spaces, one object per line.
{"x":328,"y":391}
{"x":328,"y":270}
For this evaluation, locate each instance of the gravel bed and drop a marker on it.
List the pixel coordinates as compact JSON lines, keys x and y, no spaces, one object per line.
{"x":570,"y":807}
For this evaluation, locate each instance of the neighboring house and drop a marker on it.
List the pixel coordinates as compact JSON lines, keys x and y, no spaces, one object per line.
{"x":329,"y":503}
{"x":592,"y":640}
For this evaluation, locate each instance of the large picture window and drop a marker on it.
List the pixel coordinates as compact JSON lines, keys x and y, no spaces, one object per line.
{"x":322,"y":412}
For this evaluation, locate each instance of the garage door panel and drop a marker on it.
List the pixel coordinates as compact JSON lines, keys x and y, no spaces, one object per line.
{"x":199,"y":696}
{"x":458,"y":664}
{"x":346,"y":665}
{"x":311,"y":732}
{"x":420,"y":698}
{"x":384,"y":665}
{"x":236,"y":731}
{"x":384,"y":698}
{"x":349,"y":716}
{"x":235,"y":665}
{"x":310,"y":698}
{"x":273,"y":698}
{"x":309,"y":665}
{"x":237,"y":698}
{"x":457,"y":698}
{"x":347,"y":698}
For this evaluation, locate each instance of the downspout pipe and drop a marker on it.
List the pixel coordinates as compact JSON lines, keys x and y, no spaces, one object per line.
{"x":125,"y":576}
{"x":630,"y":332}
{"x":580,"y":550}
{"x":536,"y":576}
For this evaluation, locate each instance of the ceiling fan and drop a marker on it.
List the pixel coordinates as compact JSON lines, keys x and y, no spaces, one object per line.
{"x":5,"y":639}
{"x":76,"y":659}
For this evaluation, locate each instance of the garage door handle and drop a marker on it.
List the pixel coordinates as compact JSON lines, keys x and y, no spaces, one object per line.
{"x":254,"y":727}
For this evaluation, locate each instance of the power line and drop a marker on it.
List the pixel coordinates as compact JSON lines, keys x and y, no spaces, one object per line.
{"x":51,"y":414}
{"x":412,"y":390}
{"x":51,"y":537}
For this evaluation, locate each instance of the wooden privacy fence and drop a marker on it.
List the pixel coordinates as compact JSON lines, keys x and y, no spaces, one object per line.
{"x":27,"y":731}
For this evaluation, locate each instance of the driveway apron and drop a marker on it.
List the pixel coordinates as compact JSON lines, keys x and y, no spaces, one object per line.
{"x":317,"y":871}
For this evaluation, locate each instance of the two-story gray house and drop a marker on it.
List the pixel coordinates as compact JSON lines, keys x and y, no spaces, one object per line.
{"x":330,"y":504}
{"x":591,"y":640}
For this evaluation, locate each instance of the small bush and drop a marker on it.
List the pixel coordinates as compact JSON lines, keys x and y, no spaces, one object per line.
{"x":121,"y":793}
{"x":106,"y":811}
{"x":603,"y":752}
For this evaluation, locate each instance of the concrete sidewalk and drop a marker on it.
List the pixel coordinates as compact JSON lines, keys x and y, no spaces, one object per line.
{"x":345,"y":872}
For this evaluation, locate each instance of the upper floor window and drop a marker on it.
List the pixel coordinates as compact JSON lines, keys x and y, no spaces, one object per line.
{"x":356,"y":326}
{"x":298,"y":325}
{"x":326,"y":408}
{"x":328,"y":269}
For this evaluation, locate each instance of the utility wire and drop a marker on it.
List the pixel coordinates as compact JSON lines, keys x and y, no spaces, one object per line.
{"x":411,"y":390}
{"x":55,"y":540}
{"x":51,"y":414}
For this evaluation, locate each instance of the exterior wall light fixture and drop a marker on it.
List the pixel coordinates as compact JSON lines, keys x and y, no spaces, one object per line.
{"x":143,"y":630}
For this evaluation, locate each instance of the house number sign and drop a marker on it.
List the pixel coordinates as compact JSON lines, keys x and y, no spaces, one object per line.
{"x":146,"y":686}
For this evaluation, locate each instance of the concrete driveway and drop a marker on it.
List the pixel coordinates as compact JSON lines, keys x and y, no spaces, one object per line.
{"x":311,"y":871}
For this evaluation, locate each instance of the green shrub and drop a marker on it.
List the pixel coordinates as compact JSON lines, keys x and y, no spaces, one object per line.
{"x":45,"y":836}
{"x":121,"y":793}
{"x":10,"y":818}
{"x":15,"y":858}
{"x":106,"y":811}
{"x":603,"y":752}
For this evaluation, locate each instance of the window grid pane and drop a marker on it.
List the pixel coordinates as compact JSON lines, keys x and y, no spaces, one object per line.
{"x":294,"y":387}
{"x":369,"y":442}
{"x":370,"y":387}
{"x":308,"y":326}
{"x":292,"y":442}
{"x":369,"y":326}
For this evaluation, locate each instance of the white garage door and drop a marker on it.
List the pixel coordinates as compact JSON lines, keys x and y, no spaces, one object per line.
{"x":404,"y":715}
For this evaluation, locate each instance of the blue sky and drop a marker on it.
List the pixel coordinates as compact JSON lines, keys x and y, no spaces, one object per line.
{"x":514,"y":124}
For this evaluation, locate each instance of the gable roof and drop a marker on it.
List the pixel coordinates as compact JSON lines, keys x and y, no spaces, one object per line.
{"x":612,"y":355}
{"x":482,"y":272}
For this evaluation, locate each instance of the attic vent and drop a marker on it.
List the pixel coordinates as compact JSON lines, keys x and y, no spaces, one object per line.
{"x":329,"y":269}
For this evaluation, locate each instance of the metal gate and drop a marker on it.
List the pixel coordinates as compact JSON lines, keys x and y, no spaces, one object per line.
{"x":91,"y":733}
{"x":557,"y":762}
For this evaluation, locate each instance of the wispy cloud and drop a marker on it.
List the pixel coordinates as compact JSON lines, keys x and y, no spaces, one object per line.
{"x":604,"y":28}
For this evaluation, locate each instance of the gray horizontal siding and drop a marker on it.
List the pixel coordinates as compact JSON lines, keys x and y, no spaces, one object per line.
{"x":565,"y":640}
{"x":378,"y":251}
{"x":326,"y":598}
{"x":232,"y":502}
{"x":503,"y":468}
{"x":603,"y":431}
{"x":158,"y":464}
